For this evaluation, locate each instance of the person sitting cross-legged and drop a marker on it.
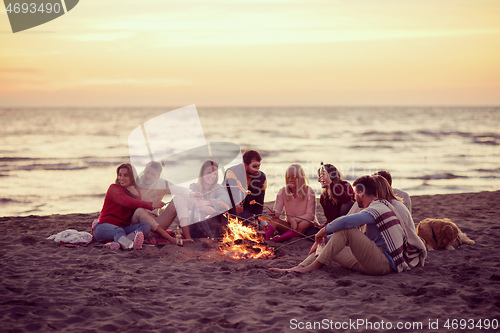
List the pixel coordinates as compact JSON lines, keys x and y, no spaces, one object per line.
{"x":298,"y":201}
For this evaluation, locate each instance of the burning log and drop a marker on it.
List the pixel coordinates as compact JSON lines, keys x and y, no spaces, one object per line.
{"x":243,"y":242}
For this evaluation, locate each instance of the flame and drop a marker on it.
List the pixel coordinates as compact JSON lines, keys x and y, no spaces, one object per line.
{"x":234,"y":245}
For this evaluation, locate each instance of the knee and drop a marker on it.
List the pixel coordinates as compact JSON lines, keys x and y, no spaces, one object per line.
{"x":141,"y":212}
{"x":171,"y":205}
{"x":277,"y":220}
{"x":303,"y":226}
{"x":97,"y":233}
{"x":145,"y":228}
{"x":103,"y":232}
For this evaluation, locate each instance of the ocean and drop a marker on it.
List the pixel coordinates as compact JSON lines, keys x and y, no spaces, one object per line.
{"x":62,"y":160}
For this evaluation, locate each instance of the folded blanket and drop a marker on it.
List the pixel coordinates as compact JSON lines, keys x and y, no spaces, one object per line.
{"x":72,"y":236}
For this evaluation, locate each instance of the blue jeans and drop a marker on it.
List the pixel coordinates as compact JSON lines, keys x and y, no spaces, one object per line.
{"x":107,"y":231}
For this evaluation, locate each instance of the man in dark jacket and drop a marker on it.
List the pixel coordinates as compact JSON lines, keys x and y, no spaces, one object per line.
{"x":246,"y":184}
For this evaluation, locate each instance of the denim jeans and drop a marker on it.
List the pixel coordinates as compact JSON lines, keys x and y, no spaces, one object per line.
{"x":107,"y":231}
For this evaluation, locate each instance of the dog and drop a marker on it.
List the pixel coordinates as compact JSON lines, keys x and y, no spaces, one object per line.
{"x":441,"y":234}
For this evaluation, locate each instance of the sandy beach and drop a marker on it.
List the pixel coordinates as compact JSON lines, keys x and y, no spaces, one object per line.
{"x":48,"y":287}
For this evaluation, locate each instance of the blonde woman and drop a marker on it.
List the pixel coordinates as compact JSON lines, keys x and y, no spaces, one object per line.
{"x":298,"y":201}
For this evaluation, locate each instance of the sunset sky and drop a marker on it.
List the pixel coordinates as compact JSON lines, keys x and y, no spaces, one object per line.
{"x":281,"y":52}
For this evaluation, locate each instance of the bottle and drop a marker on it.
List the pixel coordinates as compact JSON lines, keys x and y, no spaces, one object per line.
{"x":322,"y":168}
{"x":178,"y":236}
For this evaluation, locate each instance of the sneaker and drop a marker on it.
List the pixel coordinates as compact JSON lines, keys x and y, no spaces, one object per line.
{"x":138,"y":240}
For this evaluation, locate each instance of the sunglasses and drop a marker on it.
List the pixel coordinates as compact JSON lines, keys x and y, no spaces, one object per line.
{"x":291,"y":178}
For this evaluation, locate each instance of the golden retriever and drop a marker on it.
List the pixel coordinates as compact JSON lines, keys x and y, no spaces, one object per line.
{"x":441,"y":234}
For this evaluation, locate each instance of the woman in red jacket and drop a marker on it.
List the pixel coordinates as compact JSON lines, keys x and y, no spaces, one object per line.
{"x":122,"y":199}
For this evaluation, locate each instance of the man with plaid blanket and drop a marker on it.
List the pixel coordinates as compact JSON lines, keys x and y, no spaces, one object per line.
{"x":382,"y":249}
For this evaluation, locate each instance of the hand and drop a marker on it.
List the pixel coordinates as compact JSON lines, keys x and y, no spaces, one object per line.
{"x":188,"y":240}
{"x":133,"y":190}
{"x":239,"y":208}
{"x":209,"y":210}
{"x":325,"y":177}
{"x":195,"y":195}
{"x":313,"y":248}
{"x":293,"y":224}
{"x":158,"y":204}
{"x":199,"y":204}
{"x":272,"y":212}
{"x":320,"y":236}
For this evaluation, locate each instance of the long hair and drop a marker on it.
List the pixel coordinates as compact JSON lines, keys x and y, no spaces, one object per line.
{"x":335,"y":176}
{"x":296,"y":171}
{"x":214,"y":166}
{"x":384,"y":190}
{"x":385,"y":174}
{"x":131,"y":173}
{"x":333,"y":172}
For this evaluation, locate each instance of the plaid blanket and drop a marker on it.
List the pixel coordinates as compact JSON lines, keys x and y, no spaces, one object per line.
{"x":415,"y":252}
{"x":405,"y":255}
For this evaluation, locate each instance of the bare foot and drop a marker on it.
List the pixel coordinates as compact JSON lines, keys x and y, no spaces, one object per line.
{"x":279,"y":270}
{"x":188,"y":240}
{"x":286,"y":270}
{"x":300,"y":269}
{"x":312,"y":267}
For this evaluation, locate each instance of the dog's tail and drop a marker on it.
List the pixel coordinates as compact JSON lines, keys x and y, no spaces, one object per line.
{"x":465,"y":239}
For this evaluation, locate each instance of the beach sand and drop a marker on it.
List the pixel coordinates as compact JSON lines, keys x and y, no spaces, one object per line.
{"x":48,"y":287}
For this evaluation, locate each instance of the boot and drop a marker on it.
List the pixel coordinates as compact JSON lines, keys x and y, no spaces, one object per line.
{"x":269,"y":231}
{"x":286,"y":236}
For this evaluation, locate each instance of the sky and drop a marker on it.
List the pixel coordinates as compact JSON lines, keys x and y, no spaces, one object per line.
{"x":256,"y":53}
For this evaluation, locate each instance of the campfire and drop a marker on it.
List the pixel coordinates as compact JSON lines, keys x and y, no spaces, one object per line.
{"x":243,"y":242}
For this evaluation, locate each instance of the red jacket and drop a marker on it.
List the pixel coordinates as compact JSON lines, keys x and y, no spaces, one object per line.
{"x":119,"y":205}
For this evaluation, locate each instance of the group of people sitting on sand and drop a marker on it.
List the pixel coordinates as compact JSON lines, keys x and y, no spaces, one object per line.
{"x":377,"y":236}
{"x":131,"y":208}
{"x":368,"y":228}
